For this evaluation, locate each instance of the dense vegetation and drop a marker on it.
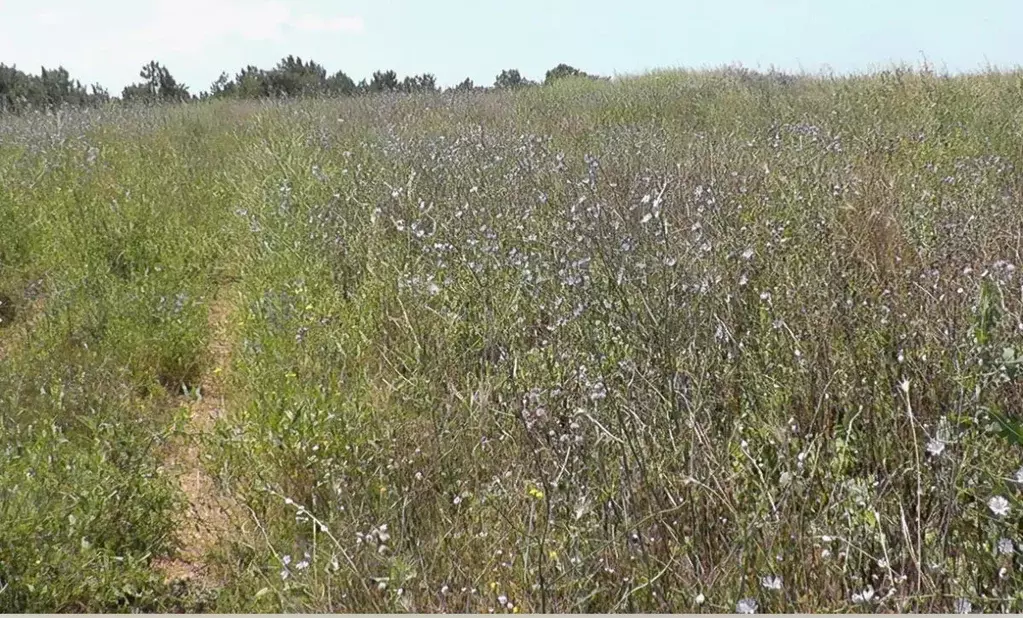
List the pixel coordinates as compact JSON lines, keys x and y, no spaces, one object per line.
{"x":291,"y":78}
{"x":710,"y":341}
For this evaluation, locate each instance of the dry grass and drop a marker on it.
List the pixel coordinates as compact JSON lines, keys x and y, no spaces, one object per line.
{"x":686,"y":342}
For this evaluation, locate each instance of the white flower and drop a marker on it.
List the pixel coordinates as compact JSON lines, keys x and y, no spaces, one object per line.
{"x":963,"y":606}
{"x":700,"y":599}
{"x":771,"y":582}
{"x":1019,"y":476}
{"x":999,"y":506}
{"x":746,"y":606}
{"x":935,"y":446}
{"x":1005,"y":546}
{"x":864,"y":597}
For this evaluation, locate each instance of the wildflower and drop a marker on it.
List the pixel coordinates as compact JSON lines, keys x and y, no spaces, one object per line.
{"x":1006,"y":546}
{"x":963,"y":606}
{"x":935,"y":446}
{"x":999,"y":506}
{"x":746,"y":606}
{"x":700,"y":599}
{"x":1019,"y":476}
{"x":864,"y":597}
{"x":771,"y":582}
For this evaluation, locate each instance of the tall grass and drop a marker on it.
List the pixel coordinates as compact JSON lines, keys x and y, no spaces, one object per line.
{"x":685,"y":342}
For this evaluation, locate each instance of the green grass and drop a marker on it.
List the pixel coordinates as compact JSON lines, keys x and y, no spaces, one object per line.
{"x":623,"y":346}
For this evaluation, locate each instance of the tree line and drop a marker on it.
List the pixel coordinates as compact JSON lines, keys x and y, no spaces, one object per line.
{"x":291,"y":77}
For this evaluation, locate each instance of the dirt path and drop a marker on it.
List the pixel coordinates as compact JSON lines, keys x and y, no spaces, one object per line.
{"x":211,"y":515}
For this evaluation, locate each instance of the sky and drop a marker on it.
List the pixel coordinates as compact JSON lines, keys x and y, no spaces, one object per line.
{"x":108,"y":41}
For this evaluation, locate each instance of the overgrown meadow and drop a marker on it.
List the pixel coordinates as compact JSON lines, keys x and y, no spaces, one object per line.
{"x":687,"y":342}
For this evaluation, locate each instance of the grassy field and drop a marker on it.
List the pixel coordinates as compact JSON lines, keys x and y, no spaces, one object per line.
{"x":685,"y":342}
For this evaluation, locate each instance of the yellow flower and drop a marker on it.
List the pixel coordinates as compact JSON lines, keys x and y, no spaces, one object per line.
{"x":536,"y":493}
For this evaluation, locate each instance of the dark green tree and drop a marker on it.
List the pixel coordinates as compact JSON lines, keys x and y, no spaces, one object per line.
{"x":222,"y":87}
{"x":293,"y":78}
{"x":13,"y":89}
{"x":99,"y":94}
{"x":52,"y":88}
{"x":158,"y":85}
{"x":59,"y":89}
{"x":465,"y":86}
{"x":426,"y":82}
{"x":561,"y":72}
{"x":383,"y":81}
{"x":340,"y":84}
{"x":510,"y":78}
{"x":250,"y":83}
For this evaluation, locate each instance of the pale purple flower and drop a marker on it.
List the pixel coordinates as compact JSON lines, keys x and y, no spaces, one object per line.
{"x":999,"y":506}
{"x":746,"y":606}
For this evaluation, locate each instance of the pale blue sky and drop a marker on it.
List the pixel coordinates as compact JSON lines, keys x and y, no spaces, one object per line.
{"x":109,"y":40}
